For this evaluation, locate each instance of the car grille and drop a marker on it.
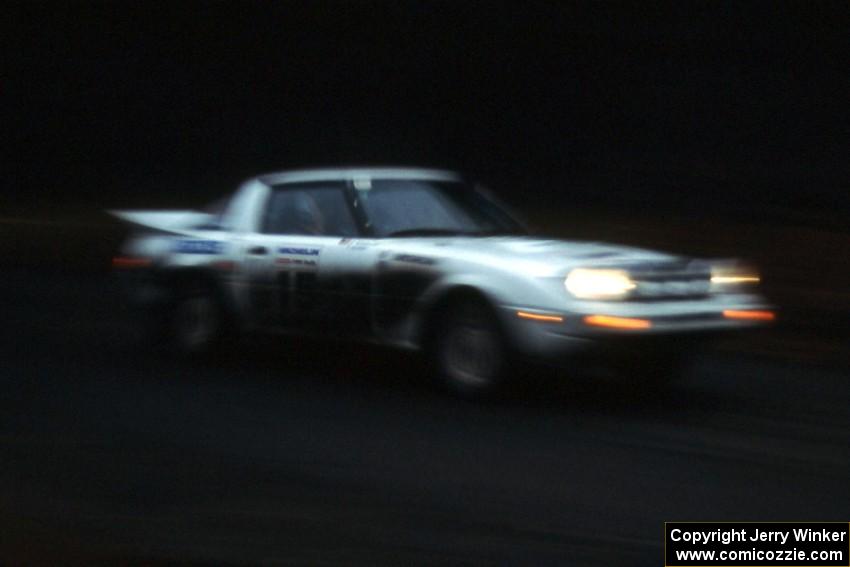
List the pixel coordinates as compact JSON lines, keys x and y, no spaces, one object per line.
{"x":670,"y":281}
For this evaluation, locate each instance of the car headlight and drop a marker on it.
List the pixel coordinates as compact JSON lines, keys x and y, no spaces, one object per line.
{"x":589,"y":283}
{"x":732,"y":276}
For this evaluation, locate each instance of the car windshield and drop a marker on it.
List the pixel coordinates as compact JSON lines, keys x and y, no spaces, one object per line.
{"x":407,"y":207}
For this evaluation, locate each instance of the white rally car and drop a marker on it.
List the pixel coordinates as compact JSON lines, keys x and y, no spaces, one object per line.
{"x":422,"y":259}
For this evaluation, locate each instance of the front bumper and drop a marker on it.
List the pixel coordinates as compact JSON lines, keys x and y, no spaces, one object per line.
{"x":549,"y":335}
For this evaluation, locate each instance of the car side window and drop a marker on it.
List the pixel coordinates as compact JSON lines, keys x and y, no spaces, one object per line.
{"x":394,"y":205}
{"x":314,"y":209}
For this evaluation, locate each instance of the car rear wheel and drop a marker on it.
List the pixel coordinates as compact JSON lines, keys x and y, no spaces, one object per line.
{"x":196,"y":322}
{"x":469,"y":352}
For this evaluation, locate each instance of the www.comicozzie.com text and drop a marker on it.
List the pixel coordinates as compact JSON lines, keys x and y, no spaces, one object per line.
{"x":733,"y":535}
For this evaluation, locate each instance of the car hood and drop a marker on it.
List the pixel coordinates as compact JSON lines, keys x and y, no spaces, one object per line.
{"x":555,"y":254}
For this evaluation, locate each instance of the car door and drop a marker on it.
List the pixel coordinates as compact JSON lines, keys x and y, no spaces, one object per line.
{"x":295,"y":258}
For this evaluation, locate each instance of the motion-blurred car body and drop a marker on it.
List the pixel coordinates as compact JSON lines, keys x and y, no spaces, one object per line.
{"x":419,"y":259}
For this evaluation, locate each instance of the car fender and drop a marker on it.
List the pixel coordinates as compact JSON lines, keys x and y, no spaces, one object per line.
{"x":444,"y":289}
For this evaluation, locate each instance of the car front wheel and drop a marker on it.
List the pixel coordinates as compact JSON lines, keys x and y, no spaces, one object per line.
{"x":469,"y":352}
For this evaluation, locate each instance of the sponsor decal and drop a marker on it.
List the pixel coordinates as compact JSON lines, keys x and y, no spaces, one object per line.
{"x":298,"y":251}
{"x":297,"y":256}
{"x":199,"y":247}
{"x":295,"y":262}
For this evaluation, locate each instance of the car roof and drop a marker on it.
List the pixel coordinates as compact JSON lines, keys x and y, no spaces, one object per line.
{"x":349,"y":173}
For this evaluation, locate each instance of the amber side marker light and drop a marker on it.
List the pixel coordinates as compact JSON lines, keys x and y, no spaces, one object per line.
{"x":750,"y":315}
{"x":617,"y":322}
{"x":539,"y":317}
{"x":128,"y":262}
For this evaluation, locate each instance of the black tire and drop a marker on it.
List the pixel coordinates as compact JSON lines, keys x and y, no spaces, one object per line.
{"x":195,"y":323}
{"x":468,"y":350}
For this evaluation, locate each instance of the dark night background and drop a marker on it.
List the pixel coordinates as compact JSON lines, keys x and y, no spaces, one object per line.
{"x":740,"y":107}
{"x":708,"y":128}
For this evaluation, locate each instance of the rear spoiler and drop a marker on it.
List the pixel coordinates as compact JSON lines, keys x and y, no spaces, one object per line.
{"x":166,"y":221}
